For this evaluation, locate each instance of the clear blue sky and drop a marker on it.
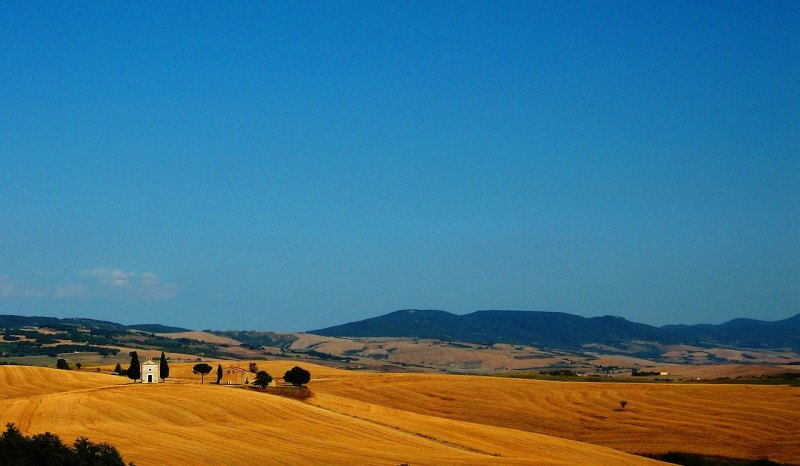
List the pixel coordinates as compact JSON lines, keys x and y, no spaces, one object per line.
{"x":294,"y":165}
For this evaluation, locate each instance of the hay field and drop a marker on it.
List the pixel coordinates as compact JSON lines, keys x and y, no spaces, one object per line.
{"x":187,"y":423}
{"x":369,"y":418}
{"x":748,"y":421}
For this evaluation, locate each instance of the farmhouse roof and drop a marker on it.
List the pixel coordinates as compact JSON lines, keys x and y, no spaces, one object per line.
{"x":236,"y":368}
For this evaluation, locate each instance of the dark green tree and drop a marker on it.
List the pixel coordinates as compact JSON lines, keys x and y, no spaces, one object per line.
{"x":219,"y":373}
{"x":297,"y":376}
{"x":262,"y":379}
{"x":95,"y":453}
{"x":118,"y":369}
{"x":202,"y":369}
{"x":47,"y":448}
{"x":78,"y":365}
{"x":62,"y":364}
{"x":163,"y":367}
{"x":134,"y":370}
{"x":253,"y":368}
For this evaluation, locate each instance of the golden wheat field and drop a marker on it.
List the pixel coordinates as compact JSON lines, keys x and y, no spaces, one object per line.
{"x":391,"y":419}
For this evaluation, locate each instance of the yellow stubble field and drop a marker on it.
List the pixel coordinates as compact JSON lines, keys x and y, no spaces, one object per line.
{"x":363,"y":418}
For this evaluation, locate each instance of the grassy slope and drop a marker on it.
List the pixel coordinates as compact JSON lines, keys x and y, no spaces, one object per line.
{"x":182,"y":422}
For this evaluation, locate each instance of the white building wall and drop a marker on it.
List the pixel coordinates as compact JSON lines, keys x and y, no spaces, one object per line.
{"x":149,"y":372}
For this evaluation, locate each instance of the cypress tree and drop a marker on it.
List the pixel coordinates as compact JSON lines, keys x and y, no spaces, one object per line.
{"x":134,"y":371}
{"x":118,"y":369}
{"x":163,"y":367}
{"x":219,"y":373}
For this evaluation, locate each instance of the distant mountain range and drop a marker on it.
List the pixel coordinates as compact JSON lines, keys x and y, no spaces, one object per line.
{"x":560,"y":330}
{"x":544,"y":329}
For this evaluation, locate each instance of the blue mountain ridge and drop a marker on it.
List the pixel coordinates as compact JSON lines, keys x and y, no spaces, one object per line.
{"x":561,"y":330}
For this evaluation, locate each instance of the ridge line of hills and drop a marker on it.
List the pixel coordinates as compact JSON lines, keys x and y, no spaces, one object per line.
{"x":535,"y":328}
{"x":562,"y":330}
{"x":10,"y":320}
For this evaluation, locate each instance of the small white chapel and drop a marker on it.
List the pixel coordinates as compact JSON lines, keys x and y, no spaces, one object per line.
{"x":149,"y":371}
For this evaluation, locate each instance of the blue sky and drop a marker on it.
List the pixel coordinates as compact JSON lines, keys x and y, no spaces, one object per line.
{"x":289,"y":166}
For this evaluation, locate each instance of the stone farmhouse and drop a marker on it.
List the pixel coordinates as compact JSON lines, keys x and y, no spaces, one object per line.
{"x":235,"y":375}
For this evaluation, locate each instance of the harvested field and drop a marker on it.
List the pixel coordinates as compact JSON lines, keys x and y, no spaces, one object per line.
{"x":746,"y":421}
{"x":182,"y":423}
{"x":368,"y":418}
{"x":201,"y":336}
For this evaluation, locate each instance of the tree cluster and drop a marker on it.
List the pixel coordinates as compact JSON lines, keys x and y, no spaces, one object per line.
{"x":47,"y":448}
{"x":297,"y":376}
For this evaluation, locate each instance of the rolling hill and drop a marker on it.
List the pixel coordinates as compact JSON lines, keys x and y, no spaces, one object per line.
{"x":182,"y":422}
{"x":560,"y":330}
{"x":392,"y":419}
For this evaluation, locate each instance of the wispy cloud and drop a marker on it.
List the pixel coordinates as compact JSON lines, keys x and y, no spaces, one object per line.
{"x":118,"y":282}
{"x":98,"y":283}
{"x":116,"y":278}
{"x":11,"y":287}
{"x":73,"y":290}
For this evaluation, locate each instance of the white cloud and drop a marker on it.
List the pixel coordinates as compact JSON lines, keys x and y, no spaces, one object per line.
{"x":116,"y":278}
{"x":14,"y":288}
{"x":73,"y":290}
{"x":148,"y":279}
{"x":97,"y":283}
{"x":118,"y":282}
{"x":7,"y":289}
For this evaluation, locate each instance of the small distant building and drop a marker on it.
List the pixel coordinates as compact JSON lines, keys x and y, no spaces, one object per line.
{"x":663,"y":373}
{"x":235,"y":375}
{"x":149,"y":372}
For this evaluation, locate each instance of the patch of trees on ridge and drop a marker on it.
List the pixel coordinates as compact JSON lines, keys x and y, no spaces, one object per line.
{"x":255,"y":340}
{"x":85,"y":334}
{"x":82,"y":340}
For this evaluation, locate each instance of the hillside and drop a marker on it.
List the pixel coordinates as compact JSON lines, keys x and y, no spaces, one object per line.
{"x":440,"y":341}
{"x":560,"y":330}
{"x":705,"y":419}
{"x":391,"y":419}
{"x":182,"y":422}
